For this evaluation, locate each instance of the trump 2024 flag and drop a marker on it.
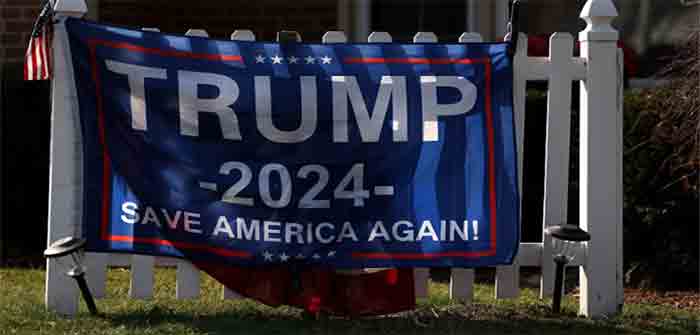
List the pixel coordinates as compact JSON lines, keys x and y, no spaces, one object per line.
{"x":253,"y":153}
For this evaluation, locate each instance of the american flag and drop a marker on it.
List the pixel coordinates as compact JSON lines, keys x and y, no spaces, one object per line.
{"x":37,"y":60}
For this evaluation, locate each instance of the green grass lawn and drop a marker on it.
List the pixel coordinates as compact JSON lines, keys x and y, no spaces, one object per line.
{"x":22,"y":312}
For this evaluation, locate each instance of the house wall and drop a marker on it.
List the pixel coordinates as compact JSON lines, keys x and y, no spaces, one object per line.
{"x":546,"y":16}
{"x":446,"y":18}
{"x":649,"y":27}
{"x":265,"y":18}
{"x":16,"y":20}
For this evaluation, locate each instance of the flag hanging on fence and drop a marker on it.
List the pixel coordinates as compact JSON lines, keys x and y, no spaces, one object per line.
{"x":253,"y":153}
{"x":37,"y":59}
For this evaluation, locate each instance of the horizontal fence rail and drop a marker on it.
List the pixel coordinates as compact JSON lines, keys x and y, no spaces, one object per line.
{"x":599,"y":104}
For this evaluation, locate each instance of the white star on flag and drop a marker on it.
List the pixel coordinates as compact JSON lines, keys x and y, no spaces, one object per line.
{"x":284,"y":257}
{"x":310,"y":60}
{"x":276,"y":59}
{"x":260,"y":59}
{"x":326,"y":60}
{"x":316,"y":256}
{"x":267,"y":255}
{"x":292,"y":60}
{"x":331,"y":253}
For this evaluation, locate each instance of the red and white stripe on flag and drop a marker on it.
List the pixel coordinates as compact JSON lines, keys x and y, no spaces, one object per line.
{"x":37,"y":60}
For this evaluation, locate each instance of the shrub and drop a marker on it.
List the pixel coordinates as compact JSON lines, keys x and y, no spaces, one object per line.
{"x":661,"y":177}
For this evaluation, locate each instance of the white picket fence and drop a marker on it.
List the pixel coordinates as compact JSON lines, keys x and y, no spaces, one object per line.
{"x":599,"y":71}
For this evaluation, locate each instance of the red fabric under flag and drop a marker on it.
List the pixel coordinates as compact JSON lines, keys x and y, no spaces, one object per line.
{"x":37,"y":60}
{"x":317,"y":289}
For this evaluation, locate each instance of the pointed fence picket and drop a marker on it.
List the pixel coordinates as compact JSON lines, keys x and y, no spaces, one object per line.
{"x":508,"y":277}
{"x":599,"y":72}
{"x":421,"y":275}
{"x":142,"y":277}
{"x":96,"y":273}
{"x":462,"y":280}
{"x":142,"y":272}
{"x":556,"y":171}
{"x":238,"y":35}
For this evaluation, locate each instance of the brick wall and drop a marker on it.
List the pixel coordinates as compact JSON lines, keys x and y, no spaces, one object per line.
{"x":547,"y":16}
{"x":311,"y":18}
{"x":16,"y":20}
{"x":265,"y":17}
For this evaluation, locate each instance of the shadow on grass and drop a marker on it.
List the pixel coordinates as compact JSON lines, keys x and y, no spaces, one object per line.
{"x":22,"y":312}
{"x":456,"y":319}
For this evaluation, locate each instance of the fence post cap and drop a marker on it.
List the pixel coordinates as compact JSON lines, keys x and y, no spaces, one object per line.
{"x":470,"y":37}
{"x":334,"y":36}
{"x":604,"y":8}
{"x":379,"y":37}
{"x":599,"y":15}
{"x":243,"y":35}
{"x":197,"y":33}
{"x":74,"y":8}
{"x":425,"y":37}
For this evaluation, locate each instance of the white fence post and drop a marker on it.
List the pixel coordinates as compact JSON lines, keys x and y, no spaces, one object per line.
{"x":421,"y":275}
{"x":238,"y":35}
{"x":508,"y":277}
{"x":556,"y":171}
{"x":600,"y":162}
{"x":96,"y":273}
{"x":462,"y":280}
{"x":187,"y":282}
{"x":142,"y":277}
{"x":65,"y":196}
{"x":142,"y":267}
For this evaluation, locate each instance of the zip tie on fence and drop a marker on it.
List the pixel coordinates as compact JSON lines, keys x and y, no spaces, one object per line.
{"x":44,"y":17}
{"x":514,"y":25}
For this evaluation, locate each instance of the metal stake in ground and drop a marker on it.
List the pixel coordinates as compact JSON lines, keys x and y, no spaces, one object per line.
{"x":73,"y":247}
{"x":566,"y":239}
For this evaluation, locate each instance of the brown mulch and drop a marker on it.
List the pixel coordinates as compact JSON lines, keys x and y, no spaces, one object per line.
{"x":677,"y":299}
{"x":689,"y":300}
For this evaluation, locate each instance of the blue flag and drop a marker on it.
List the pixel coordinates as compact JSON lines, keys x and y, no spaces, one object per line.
{"x":253,"y":153}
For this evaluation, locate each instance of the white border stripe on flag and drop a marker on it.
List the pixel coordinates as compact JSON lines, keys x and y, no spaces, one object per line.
{"x":29,"y":60}
{"x":44,"y":69}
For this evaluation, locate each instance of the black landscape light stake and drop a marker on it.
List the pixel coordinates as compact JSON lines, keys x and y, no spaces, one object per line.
{"x":566,"y":239}
{"x":73,"y":247}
